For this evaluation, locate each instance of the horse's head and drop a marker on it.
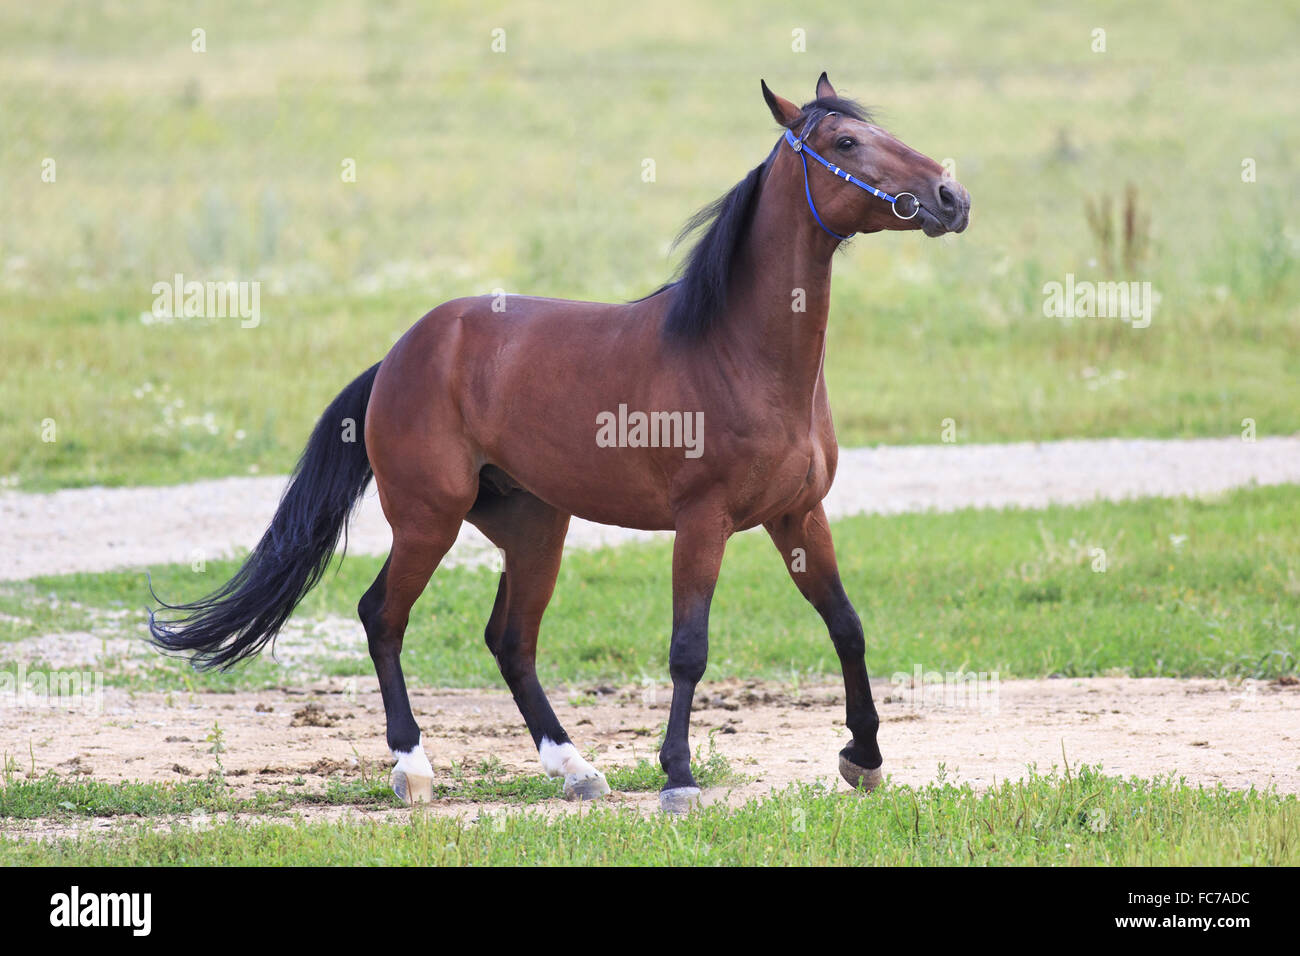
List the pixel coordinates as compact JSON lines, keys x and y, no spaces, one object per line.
{"x":858,"y":177}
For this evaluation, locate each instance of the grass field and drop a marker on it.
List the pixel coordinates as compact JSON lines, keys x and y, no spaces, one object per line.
{"x":1189,"y":588}
{"x":523,"y":170}
{"x":1055,"y":818}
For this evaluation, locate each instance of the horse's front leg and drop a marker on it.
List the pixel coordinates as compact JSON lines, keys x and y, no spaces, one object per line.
{"x":804,"y":541}
{"x":697,"y":556}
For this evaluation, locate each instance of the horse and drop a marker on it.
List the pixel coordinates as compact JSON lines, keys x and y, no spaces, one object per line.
{"x":512,"y":413}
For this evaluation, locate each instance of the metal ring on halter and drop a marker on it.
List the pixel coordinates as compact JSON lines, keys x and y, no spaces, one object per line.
{"x":915,"y":208}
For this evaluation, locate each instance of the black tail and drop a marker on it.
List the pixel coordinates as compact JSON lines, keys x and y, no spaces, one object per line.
{"x":238,"y":620}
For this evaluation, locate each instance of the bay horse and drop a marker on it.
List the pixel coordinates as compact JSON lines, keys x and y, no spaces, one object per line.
{"x":501,"y":411}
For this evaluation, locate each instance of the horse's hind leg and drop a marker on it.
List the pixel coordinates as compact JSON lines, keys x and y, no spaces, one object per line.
{"x":531,"y":533}
{"x":384,"y":610}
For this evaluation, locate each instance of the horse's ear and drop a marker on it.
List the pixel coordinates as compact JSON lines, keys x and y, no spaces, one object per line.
{"x":824,"y":89}
{"x":783,"y":111}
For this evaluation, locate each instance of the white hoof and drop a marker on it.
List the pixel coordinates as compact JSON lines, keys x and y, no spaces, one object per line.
{"x":679,"y":800}
{"x":585,"y":786}
{"x":410,"y":789}
{"x":412,"y":778}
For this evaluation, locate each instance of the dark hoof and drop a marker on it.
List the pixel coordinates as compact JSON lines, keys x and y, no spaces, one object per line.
{"x":859,"y":778}
{"x":589,"y":786}
{"x":679,"y":800}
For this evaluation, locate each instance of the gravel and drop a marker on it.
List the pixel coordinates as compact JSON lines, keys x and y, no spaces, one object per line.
{"x":99,"y":529}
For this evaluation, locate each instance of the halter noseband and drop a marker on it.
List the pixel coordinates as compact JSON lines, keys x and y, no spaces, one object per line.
{"x":799,"y":145}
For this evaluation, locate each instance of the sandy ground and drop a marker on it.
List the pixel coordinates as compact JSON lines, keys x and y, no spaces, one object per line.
{"x":1239,"y":734}
{"x":98,"y":529}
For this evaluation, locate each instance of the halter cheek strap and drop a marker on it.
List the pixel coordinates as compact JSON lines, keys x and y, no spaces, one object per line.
{"x":800,"y":146}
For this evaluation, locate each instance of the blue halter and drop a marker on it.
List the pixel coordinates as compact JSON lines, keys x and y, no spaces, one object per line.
{"x":798,"y":144}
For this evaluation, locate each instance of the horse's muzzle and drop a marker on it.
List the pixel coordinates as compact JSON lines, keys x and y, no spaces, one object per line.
{"x":948,"y":210}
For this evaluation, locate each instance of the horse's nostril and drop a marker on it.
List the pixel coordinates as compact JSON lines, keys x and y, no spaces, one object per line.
{"x":946,"y":198}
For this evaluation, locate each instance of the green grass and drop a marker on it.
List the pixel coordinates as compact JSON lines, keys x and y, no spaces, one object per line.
{"x":50,"y":796}
{"x":522,"y":170}
{"x":1190,"y":588}
{"x":1082,"y":818}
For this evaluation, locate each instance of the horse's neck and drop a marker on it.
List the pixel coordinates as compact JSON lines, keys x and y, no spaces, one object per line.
{"x":781,"y":289}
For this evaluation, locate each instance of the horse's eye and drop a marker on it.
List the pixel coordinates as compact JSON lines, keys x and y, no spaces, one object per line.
{"x":846,"y":143}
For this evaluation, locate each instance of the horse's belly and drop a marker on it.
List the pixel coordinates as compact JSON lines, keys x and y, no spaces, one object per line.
{"x":601,"y":491}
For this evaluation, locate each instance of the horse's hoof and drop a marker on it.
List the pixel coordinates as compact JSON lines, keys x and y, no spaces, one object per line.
{"x":859,"y":778}
{"x":679,"y":800}
{"x":412,"y":788}
{"x":586,"y":786}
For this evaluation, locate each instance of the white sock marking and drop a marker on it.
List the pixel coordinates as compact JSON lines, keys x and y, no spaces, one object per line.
{"x":414,"y":763}
{"x":563,"y":760}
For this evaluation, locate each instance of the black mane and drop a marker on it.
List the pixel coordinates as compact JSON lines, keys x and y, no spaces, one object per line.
{"x":700,"y":289}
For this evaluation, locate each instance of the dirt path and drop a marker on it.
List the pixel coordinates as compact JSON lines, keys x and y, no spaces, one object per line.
{"x":1210,"y":731}
{"x":97,"y":529}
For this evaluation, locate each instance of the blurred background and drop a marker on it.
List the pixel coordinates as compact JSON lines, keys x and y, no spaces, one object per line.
{"x":1168,"y":157}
